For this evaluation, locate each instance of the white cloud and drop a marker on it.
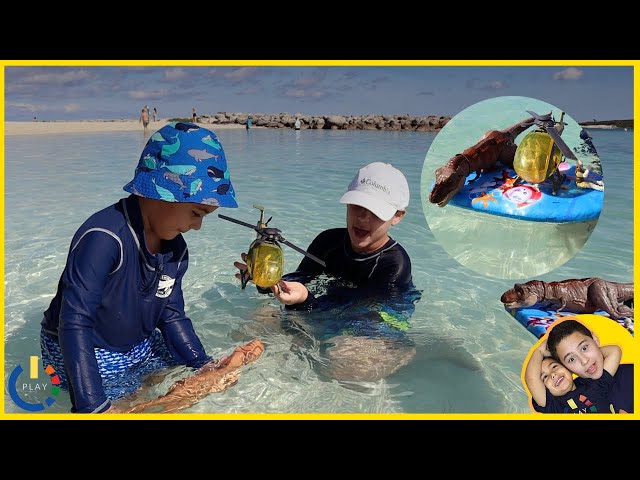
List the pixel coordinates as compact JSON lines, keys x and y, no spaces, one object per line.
{"x":148,"y":95}
{"x":66,"y":78}
{"x":495,"y":85}
{"x":72,"y":107}
{"x":27,"y":106}
{"x":571,"y":73}
{"x":309,"y":81}
{"x":478,"y":84}
{"x":302,"y":93}
{"x":175,"y":74}
{"x":295,"y":93}
{"x":250,"y":90}
{"x":240,"y":74}
{"x":134,"y":69}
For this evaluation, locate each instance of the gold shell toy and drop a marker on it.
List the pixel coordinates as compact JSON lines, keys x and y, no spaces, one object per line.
{"x":536,"y":157}
{"x":265,"y":262}
{"x":265,"y":259}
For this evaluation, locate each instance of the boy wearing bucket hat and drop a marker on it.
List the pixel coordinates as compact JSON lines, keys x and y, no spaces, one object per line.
{"x":362,"y":253}
{"x":119,"y":313}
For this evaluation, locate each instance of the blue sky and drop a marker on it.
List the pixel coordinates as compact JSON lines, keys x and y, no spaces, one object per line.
{"x":94,"y":92}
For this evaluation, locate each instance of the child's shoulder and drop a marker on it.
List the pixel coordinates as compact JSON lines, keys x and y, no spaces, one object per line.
{"x":333,"y":232}
{"x":331,"y":237}
{"x":111,"y":218}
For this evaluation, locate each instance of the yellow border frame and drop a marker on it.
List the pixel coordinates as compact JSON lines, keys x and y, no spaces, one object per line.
{"x":323,"y":63}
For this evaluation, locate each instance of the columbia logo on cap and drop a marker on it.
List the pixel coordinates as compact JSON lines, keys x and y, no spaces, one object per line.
{"x":373,"y":183}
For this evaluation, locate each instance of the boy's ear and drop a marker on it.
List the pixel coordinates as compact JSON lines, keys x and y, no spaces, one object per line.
{"x":397,"y":217}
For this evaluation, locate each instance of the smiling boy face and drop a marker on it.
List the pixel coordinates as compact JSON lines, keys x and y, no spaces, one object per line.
{"x":556,"y":377}
{"x":581,"y":354}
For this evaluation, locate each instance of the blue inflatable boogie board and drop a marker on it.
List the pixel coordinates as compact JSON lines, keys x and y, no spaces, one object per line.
{"x":493,"y":192}
{"x":539,"y":317}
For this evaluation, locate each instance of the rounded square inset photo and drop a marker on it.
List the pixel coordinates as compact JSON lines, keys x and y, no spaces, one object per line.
{"x":512,"y":187}
{"x":583,"y":364}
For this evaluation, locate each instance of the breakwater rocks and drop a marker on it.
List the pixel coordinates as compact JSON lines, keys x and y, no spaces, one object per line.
{"x":430,"y":123}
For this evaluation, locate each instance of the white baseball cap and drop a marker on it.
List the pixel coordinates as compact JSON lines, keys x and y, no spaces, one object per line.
{"x":380,"y":188}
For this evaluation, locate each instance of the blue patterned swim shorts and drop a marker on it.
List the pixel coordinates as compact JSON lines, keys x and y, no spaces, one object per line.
{"x":121,"y":373}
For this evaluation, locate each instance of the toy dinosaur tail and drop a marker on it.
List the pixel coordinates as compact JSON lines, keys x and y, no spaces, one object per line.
{"x":625,"y":292}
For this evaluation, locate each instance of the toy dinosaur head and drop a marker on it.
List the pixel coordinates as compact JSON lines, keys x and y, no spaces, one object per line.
{"x":522,"y":294}
{"x":449,"y":180}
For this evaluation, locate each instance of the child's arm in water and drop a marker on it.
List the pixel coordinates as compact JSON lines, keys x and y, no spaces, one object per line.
{"x":213,"y":377}
{"x":612,"y":355}
{"x":532,"y":375}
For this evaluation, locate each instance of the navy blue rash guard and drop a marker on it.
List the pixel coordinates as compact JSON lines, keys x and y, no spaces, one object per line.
{"x":113,"y":294}
{"x":620,"y":391}
{"x":590,"y":396}
{"x":387,"y":270}
{"x":621,"y":394}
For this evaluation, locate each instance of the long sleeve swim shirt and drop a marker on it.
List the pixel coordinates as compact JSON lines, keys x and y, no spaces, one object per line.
{"x":113,"y":294}
{"x":387,"y":270}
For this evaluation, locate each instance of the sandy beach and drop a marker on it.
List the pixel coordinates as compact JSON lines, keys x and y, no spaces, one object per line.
{"x":605,"y":127}
{"x":48,"y":128}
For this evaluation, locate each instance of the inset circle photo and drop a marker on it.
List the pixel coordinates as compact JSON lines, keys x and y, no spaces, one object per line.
{"x":512,"y":187}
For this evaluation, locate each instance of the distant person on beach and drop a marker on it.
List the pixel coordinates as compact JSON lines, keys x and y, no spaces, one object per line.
{"x":249,"y":121}
{"x":194,"y":116}
{"x":144,"y":118}
{"x":298,"y":124}
{"x":35,"y":119}
{"x":119,"y":311}
{"x":155,"y":114}
{"x":553,"y":389}
{"x":364,"y":256}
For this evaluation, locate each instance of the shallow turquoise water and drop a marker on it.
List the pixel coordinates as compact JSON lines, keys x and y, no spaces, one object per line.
{"x":469,"y":350}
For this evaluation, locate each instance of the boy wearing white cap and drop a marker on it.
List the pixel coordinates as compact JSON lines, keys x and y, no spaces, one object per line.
{"x":362,"y":253}
{"x":369,"y":345}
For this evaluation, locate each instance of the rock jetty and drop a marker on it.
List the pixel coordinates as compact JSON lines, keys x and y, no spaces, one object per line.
{"x":429,"y":123}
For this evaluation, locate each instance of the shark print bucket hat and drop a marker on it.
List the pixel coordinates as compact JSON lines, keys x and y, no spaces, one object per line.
{"x":183,"y":162}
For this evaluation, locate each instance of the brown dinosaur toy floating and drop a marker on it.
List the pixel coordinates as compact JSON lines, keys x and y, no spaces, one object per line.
{"x":213,"y":377}
{"x":495,"y":145}
{"x":585,"y":295}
